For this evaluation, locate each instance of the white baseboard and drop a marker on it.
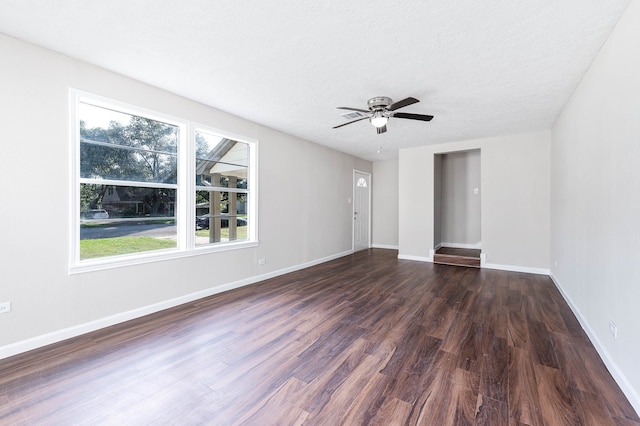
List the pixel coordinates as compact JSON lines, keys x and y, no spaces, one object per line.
{"x":437,"y":247}
{"x":629,"y":391}
{"x":512,"y":268}
{"x":477,"y":245}
{"x":416,"y":258}
{"x":67,"y":333}
{"x":385,"y":246}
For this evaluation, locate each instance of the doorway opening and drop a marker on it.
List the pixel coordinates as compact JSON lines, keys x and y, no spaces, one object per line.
{"x":457,"y":213}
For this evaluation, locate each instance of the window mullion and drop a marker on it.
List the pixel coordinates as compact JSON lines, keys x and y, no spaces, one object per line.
{"x":222,"y":189}
{"x":112,"y":182}
{"x":186,"y":168}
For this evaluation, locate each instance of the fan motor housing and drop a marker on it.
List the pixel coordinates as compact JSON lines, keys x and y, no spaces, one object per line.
{"x":379,"y":102}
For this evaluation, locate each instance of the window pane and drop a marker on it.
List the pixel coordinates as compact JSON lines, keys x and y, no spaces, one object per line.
{"x":106,"y":162}
{"x":220,"y":217}
{"x":128,"y":201}
{"x":118,"y":220}
{"x":220,"y":161}
{"x":115,"y":145}
{"x":114,"y":127}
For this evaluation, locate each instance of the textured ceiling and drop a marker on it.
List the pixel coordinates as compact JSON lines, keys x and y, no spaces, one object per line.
{"x":483,"y":68}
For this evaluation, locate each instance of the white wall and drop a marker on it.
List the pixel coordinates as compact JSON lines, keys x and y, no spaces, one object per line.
{"x":384,"y":204}
{"x":515,"y":200}
{"x":304,"y":213}
{"x":460,"y":207}
{"x":595,"y":204}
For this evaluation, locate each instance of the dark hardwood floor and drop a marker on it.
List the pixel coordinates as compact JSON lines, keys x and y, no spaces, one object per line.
{"x":365,"y":339}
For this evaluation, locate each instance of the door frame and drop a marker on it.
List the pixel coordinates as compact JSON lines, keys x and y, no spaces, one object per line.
{"x":477,"y":191}
{"x":353,"y":208}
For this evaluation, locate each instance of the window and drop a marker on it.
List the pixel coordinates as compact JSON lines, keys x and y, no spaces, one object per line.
{"x":134,"y":200}
{"x":222,"y":168}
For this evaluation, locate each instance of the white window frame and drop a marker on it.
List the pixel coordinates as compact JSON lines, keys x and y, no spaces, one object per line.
{"x":185,"y":188}
{"x":252,"y":185}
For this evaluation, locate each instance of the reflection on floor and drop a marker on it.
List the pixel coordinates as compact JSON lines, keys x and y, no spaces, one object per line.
{"x":458,"y":256}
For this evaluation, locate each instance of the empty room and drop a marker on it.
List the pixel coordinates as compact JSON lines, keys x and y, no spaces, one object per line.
{"x":320,"y":213}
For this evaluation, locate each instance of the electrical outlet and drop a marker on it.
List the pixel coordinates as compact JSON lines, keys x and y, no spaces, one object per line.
{"x":613,"y":329}
{"x":5,"y":307}
{"x":262,"y":261}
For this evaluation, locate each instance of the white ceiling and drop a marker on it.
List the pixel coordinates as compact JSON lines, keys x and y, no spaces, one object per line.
{"x":483,"y":68}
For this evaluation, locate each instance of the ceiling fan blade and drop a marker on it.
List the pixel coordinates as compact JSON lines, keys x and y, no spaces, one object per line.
{"x":381,"y":129}
{"x":350,"y":122}
{"x":403,"y":103}
{"x":355,"y":109}
{"x":421,"y":117}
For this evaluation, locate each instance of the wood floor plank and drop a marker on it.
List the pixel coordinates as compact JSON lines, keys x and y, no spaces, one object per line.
{"x":439,"y":318}
{"x":492,"y":412}
{"x":524,"y":402}
{"x":497,"y":322}
{"x":459,"y":331}
{"x":518,"y":330}
{"x":408,"y":383}
{"x":365,"y":339}
{"x":541,"y":345}
{"x":443,"y":401}
{"x":370,"y":403}
{"x":333,"y":375}
{"x":557,"y":403}
{"x":392,"y":412}
{"x":342,"y":398}
{"x":415,"y":357}
{"x":494,"y":374}
{"x":592,"y":409}
{"x":278,"y":404}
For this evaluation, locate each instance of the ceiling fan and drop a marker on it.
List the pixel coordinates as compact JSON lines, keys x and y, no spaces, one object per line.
{"x":381,"y":109}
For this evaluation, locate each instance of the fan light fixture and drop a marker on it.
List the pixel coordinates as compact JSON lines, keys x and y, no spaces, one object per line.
{"x":378,"y":119}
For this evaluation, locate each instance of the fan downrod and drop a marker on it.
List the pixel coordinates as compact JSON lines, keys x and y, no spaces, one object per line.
{"x":379,"y":102}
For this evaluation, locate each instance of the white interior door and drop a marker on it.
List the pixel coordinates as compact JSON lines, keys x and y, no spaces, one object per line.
{"x":361,"y":210}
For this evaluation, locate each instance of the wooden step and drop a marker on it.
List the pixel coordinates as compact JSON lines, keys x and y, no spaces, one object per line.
{"x":449,"y":259}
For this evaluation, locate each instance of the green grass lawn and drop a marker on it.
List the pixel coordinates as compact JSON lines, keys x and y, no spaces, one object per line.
{"x":241,"y":233}
{"x":121,"y":245}
{"x":102,"y":247}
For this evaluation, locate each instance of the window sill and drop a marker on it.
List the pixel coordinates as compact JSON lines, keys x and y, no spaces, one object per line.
{"x":113,"y":262}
